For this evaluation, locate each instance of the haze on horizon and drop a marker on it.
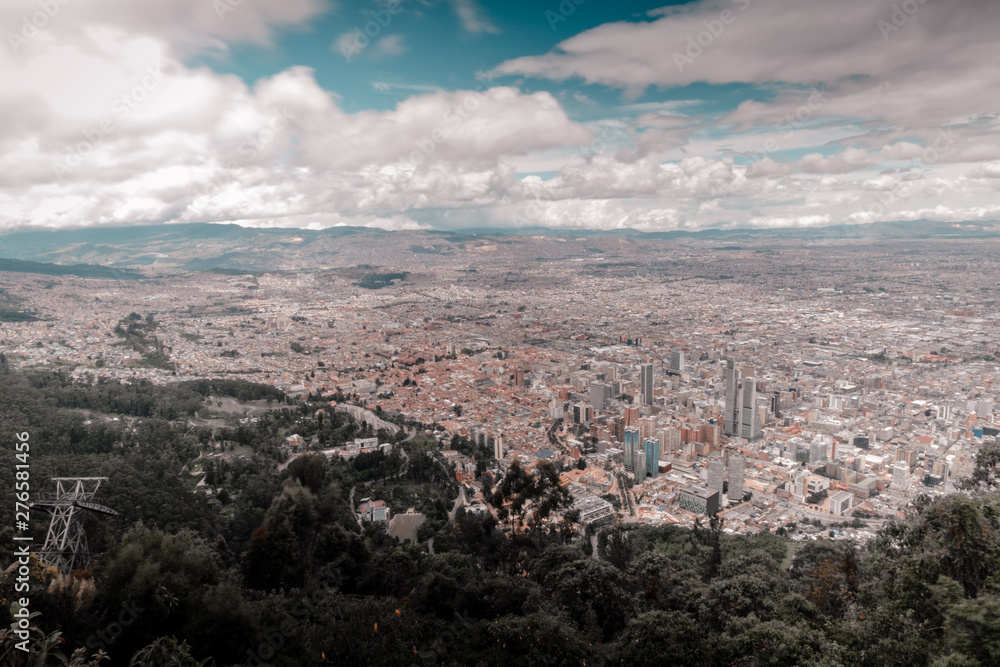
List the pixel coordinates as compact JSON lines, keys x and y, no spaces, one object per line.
{"x":461,"y":114}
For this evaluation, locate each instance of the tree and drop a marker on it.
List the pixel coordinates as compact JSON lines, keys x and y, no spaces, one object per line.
{"x":167,"y":652}
{"x":974,"y":631}
{"x":545,"y":637}
{"x":986,"y":473}
{"x":159,"y":579}
{"x":817,"y":498}
{"x":826,"y":573}
{"x":535,"y":495}
{"x":675,"y":629}
{"x":284,"y":542}
{"x":615,"y":547}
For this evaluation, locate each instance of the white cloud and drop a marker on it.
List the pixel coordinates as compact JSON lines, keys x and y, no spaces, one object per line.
{"x":987,"y":170}
{"x":190,"y":144}
{"x":186,"y":24}
{"x":473,"y":17}
{"x":151,"y":139}
{"x":928,"y":74}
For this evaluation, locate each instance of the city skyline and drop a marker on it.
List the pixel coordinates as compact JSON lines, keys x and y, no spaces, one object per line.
{"x":473,"y":332}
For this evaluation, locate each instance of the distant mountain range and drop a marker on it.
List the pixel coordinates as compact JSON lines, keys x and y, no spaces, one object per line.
{"x":81,"y":270}
{"x":106,"y":252}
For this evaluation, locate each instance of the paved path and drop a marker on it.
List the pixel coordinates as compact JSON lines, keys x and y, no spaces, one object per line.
{"x":458,"y":503}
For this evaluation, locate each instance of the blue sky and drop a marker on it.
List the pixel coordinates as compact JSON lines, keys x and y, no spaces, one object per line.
{"x":438,"y":50}
{"x":465,"y":113}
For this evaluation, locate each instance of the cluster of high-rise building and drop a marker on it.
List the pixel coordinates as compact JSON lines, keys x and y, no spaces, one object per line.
{"x":742,"y":418}
{"x":822,"y":394}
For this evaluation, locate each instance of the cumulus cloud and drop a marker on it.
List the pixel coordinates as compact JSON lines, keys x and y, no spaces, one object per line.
{"x":105,"y":124}
{"x":908,"y":73}
{"x":186,"y":24}
{"x":988,"y":170}
{"x":149,"y":139}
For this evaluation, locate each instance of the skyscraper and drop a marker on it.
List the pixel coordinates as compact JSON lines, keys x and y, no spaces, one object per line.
{"x":732,"y":411}
{"x":716,"y":475}
{"x":651,"y":448}
{"x":677,"y":360}
{"x":736,"y":464}
{"x":647,"y":427}
{"x":749,"y":416}
{"x":631,"y":446}
{"x":640,"y":465}
{"x":599,"y":394}
{"x":742,"y":417}
{"x":646,"y":384}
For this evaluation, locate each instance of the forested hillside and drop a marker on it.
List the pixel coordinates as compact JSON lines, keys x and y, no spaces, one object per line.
{"x":272,"y":568}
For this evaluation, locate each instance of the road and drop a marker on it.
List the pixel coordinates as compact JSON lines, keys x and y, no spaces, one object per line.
{"x":350,"y":501}
{"x":402,"y":471}
{"x":282,"y":466}
{"x":458,"y":503}
{"x":628,"y":503}
{"x":833,"y":518}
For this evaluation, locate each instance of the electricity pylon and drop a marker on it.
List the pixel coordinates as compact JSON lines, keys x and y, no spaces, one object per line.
{"x":66,"y":543}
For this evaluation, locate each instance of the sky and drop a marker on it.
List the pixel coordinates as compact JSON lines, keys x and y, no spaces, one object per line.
{"x":487,"y":114}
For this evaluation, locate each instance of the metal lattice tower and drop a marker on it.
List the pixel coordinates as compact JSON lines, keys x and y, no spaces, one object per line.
{"x":66,"y":543}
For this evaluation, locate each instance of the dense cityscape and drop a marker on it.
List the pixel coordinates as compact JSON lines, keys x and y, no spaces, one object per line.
{"x":497,"y":333}
{"x":813,"y":390}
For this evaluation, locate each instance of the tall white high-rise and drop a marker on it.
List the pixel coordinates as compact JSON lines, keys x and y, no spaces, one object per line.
{"x":899,"y":476}
{"x":646,"y":384}
{"x":677,"y":360}
{"x":736,"y":464}
{"x":732,"y":411}
{"x":716,"y":475}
